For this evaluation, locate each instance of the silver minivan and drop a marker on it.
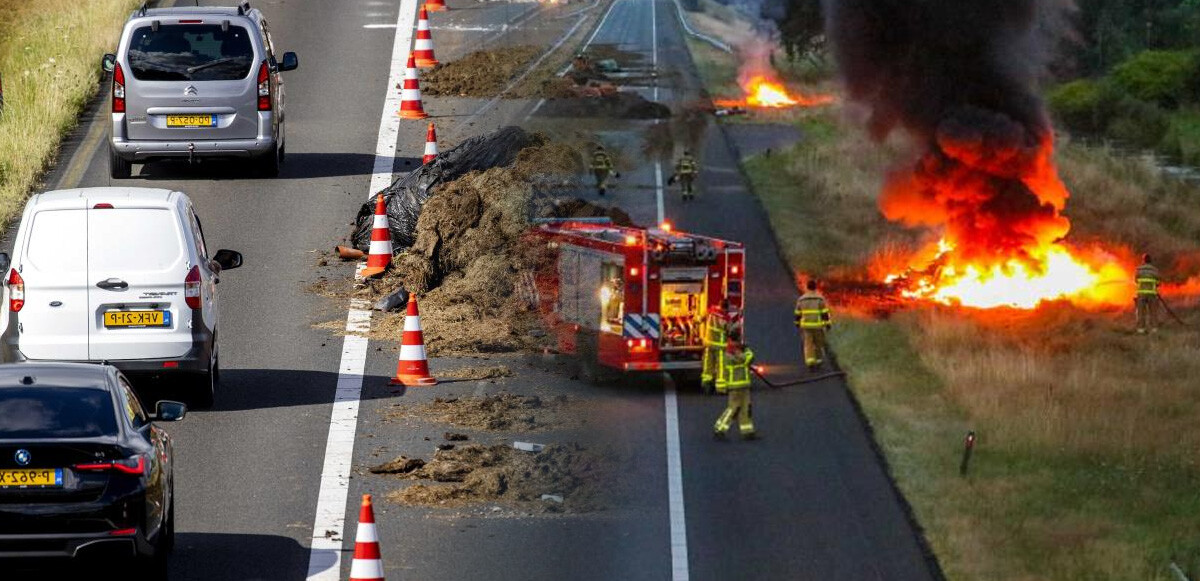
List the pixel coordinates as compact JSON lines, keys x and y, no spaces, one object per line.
{"x":195,"y":82}
{"x":115,"y":275}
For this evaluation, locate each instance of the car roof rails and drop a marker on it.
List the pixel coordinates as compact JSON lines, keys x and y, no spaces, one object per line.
{"x":243,"y":8}
{"x":142,"y":10}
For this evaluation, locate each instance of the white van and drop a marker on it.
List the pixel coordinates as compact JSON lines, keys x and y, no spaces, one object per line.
{"x":116,"y":275}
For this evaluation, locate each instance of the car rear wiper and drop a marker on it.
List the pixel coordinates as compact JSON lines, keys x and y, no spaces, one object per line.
{"x":219,"y":61}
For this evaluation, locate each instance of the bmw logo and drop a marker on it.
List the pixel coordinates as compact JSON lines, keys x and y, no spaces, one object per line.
{"x":22,"y":457}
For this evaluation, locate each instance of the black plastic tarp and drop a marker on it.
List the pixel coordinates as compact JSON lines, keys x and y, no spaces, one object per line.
{"x":406,"y":196}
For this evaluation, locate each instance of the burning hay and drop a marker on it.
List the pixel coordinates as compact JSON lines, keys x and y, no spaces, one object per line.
{"x":761,"y":86}
{"x":985,"y":186}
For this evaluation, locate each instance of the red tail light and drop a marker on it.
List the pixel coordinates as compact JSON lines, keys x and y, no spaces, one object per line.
{"x":135,"y":465}
{"x":118,"y":89}
{"x":191,"y":288}
{"x":264,"y":87}
{"x":16,"y":291}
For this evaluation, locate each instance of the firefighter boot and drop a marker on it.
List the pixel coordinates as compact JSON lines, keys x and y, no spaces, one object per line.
{"x":745,"y":418}
{"x":724,"y":422}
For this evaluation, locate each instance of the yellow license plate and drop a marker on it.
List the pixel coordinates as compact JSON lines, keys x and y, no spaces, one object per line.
{"x":37,"y":477}
{"x":135,"y":319}
{"x":191,"y":121}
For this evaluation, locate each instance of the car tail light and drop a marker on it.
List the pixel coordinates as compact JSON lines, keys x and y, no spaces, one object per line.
{"x":123,"y":532}
{"x":118,"y":89}
{"x":264,"y":87}
{"x":16,"y":291}
{"x":135,"y":465}
{"x":191,"y":288}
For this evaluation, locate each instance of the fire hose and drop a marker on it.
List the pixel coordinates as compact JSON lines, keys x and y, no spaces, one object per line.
{"x":801,"y":381}
{"x":1169,"y":311}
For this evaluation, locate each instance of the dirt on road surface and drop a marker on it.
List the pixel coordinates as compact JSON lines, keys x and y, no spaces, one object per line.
{"x":559,"y":478}
{"x":502,"y":411}
{"x":483,"y":73}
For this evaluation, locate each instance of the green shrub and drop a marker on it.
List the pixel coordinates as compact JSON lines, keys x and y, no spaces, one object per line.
{"x":1083,"y":104}
{"x":1138,"y":123}
{"x":1165,"y":77}
{"x":1182,"y":140}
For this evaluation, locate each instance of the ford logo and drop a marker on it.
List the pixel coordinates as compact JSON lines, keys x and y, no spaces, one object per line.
{"x":22,"y":457}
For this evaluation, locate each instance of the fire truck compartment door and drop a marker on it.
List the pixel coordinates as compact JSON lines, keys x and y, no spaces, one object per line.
{"x":580,"y":282}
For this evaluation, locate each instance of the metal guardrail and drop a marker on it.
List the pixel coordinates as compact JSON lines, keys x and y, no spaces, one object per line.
{"x":692,"y":32}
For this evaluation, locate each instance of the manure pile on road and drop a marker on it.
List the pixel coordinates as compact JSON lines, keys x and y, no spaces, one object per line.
{"x":502,"y":411}
{"x":483,"y":73}
{"x":568,"y":475}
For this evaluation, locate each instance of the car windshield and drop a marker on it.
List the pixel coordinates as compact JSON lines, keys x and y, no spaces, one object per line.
{"x":190,"y":52}
{"x":55,"y":412}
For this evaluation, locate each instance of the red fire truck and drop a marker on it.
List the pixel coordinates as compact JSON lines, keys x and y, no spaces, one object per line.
{"x":635,"y":298}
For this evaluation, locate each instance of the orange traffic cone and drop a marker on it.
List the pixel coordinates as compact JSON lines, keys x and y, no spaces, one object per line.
{"x":436,"y":5}
{"x":379,"y":258}
{"x":430,"y":145}
{"x":423,"y":46}
{"x":413,"y":368}
{"x":410,"y":94}
{"x":368,"y":561}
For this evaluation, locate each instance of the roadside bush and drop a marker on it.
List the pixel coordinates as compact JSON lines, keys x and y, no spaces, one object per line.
{"x":1084,"y":104}
{"x":1165,"y":77}
{"x":1138,"y":123}
{"x":1182,"y":140}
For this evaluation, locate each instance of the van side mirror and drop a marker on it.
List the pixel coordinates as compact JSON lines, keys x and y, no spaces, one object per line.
{"x":5,"y":262}
{"x":108,"y":62}
{"x":228,"y":259}
{"x":170,"y":411}
{"x":290,"y":62}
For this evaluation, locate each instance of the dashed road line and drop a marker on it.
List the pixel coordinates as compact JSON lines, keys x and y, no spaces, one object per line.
{"x":329,"y":524}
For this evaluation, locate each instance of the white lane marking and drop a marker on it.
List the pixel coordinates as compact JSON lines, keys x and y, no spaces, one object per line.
{"x":389,"y":123}
{"x":374,"y":26}
{"x":325,"y":556}
{"x":679,"y":550}
{"x":658,"y":191}
{"x":567,"y":67}
{"x":325,"y":553}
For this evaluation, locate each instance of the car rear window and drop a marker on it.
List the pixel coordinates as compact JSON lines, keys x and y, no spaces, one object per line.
{"x":132,"y":239}
{"x":55,"y":412}
{"x":57,"y":241}
{"x":190,"y":52}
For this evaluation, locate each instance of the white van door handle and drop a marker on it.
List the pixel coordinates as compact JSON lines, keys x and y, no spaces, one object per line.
{"x":113,"y":283}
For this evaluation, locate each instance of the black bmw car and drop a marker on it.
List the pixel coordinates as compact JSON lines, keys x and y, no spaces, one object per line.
{"x":83,"y":469}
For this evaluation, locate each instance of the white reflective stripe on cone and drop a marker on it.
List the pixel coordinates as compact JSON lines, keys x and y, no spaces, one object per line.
{"x":412,"y":352}
{"x":380,"y":247}
{"x":423,"y":44}
{"x":366,"y":533}
{"x":410,"y":94}
{"x":430,"y":148}
{"x":380,"y":221}
{"x":366,"y":570}
{"x":410,"y":74}
{"x":412,"y":323}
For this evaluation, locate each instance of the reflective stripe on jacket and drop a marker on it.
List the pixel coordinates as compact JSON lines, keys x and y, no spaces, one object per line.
{"x":715,"y":335}
{"x":685,"y":166}
{"x":1147,"y":280}
{"x":736,"y":370}
{"x":600,"y":160}
{"x":811,"y":311}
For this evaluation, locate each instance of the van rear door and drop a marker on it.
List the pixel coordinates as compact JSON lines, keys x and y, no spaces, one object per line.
{"x":53,"y":264}
{"x":137,"y":262}
{"x":191,"y":81}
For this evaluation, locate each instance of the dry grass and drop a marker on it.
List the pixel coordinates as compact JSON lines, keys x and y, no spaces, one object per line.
{"x":50,"y":58}
{"x":1086,"y":466}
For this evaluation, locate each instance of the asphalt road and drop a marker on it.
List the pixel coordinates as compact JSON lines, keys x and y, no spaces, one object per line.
{"x":809,"y":501}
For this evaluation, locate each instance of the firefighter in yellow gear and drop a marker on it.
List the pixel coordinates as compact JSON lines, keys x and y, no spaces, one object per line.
{"x":1147,"y":295}
{"x":714,"y":346}
{"x":602,"y":167}
{"x":813,"y":319}
{"x":735,"y":379}
{"x":685,"y":173}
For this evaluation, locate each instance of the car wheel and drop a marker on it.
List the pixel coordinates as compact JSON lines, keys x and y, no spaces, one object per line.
{"x":268,"y":165}
{"x":119,"y":168}
{"x":204,"y":390}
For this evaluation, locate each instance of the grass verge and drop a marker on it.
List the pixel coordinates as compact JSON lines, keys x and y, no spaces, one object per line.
{"x":50,"y":58}
{"x":1086,"y":466}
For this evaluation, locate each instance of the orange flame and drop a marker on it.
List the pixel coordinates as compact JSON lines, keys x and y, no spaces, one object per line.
{"x":762,"y":91}
{"x":1003,"y":236}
